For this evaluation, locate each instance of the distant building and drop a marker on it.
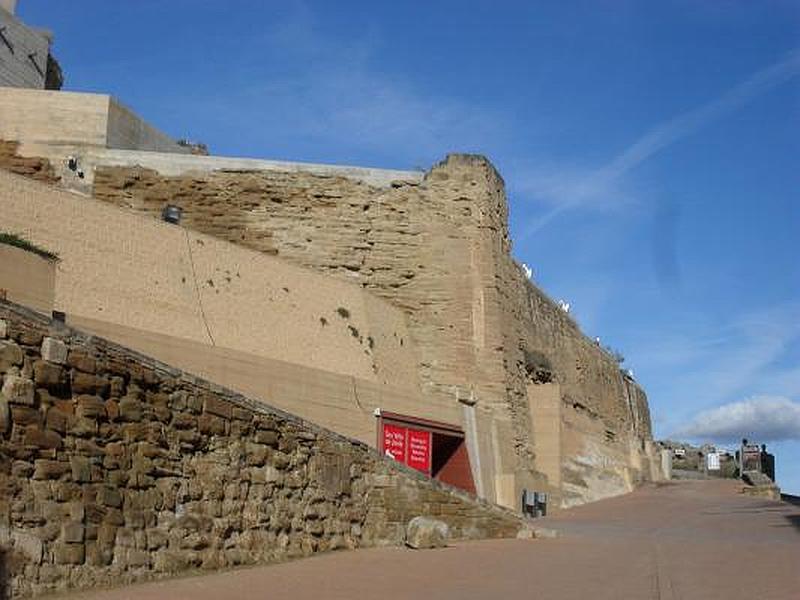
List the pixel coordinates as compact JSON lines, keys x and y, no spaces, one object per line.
{"x":25,"y":59}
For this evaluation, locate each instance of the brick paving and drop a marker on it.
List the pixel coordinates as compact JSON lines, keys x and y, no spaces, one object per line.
{"x":685,"y":540}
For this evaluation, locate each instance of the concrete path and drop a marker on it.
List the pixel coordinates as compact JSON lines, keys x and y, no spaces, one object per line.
{"x":688,"y":540}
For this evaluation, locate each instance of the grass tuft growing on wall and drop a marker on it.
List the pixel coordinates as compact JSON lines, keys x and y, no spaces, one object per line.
{"x":12,"y":239}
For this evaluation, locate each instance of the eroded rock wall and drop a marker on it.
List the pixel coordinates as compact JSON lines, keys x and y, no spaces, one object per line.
{"x":440,"y":250}
{"x":425,"y":247}
{"x":115,"y":468}
{"x":37,"y":168}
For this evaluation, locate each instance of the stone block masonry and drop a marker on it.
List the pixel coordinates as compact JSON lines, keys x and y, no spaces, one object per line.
{"x":115,"y":468}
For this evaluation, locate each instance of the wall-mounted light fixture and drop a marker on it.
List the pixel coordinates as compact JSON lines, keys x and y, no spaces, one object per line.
{"x":172,"y":214}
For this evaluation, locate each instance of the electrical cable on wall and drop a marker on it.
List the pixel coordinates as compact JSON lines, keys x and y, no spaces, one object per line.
{"x":197,"y":288}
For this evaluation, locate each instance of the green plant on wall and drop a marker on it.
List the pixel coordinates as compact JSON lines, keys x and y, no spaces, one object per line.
{"x":12,"y":239}
{"x":615,"y":354}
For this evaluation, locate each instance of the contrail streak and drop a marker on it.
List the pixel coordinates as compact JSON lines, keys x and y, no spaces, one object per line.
{"x":669,"y":132}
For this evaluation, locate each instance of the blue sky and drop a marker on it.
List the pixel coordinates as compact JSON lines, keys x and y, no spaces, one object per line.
{"x":650,"y":151}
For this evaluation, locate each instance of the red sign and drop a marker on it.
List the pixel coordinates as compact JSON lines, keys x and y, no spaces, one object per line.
{"x":394,"y":441}
{"x":419,"y":450}
{"x":409,"y":446}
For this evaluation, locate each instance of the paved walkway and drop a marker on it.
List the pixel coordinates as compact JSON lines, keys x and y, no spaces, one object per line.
{"x":688,"y":540}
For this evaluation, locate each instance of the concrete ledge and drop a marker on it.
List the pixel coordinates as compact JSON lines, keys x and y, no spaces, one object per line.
{"x":58,"y":120}
{"x":178,"y":164}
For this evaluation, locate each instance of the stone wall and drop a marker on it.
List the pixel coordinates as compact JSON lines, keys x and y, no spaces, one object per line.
{"x":440,"y":249}
{"x":115,"y":468}
{"x":56,"y":125}
{"x":127,"y":130}
{"x":34,"y":167}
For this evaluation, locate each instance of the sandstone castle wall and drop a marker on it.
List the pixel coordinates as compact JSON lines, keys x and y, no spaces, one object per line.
{"x":440,"y":250}
{"x":115,"y":468}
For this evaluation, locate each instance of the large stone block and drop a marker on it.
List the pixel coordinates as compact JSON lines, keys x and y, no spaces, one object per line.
{"x":87,"y":383}
{"x":156,"y":538}
{"x":70,"y":554}
{"x":98,"y":555}
{"x":425,"y":532}
{"x":30,"y":545}
{"x":215,"y":406}
{"x":137,"y":558}
{"x":48,"y":375}
{"x":81,"y":469}
{"x":270,"y":438}
{"x":11,"y":355}
{"x":73,"y":532}
{"x":54,"y":351}
{"x":181,"y":420}
{"x":130,"y":409}
{"x":90,"y":407}
{"x":81,"y":361}
{"x":107,"y":534}
{"x":56,"y":420}
{"x":42,"y":438}
{"x":207,"y":423}
{"x":81,"y":427}
{"x":49,"y":469}
{"x":5,"y":416}
{"x":26,"y":415}
{"x":18,"y":390}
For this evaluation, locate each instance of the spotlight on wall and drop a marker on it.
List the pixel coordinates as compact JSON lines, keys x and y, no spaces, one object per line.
{"x":172,"y":214}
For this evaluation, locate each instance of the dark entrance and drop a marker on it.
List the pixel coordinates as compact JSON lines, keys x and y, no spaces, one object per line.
{"x":435,"y":448}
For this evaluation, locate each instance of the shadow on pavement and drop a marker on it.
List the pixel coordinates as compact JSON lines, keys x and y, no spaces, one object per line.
{"x":791,"y":499}
{"x":794,"y":521}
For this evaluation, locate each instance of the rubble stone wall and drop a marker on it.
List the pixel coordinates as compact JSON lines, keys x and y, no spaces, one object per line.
{"x":34,"y":167}
{"x":115,"y":468}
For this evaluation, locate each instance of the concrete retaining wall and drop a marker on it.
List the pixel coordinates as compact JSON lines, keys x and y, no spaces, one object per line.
{"x":56,"y":124}
{"x":53,"y":117}
{"x":126,"y":130}
{"x":26,"y":278}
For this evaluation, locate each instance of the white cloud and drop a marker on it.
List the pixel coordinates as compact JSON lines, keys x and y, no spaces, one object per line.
{"x":723,"y":361}
{"x":761,"y":419}
{"x":324,"y":92}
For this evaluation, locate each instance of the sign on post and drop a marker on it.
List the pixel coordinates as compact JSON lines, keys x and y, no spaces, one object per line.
{"x":419,"y":450}
{"x":409,"y":446}
{"x":712,"y":461}
{"x":394,"y":441}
